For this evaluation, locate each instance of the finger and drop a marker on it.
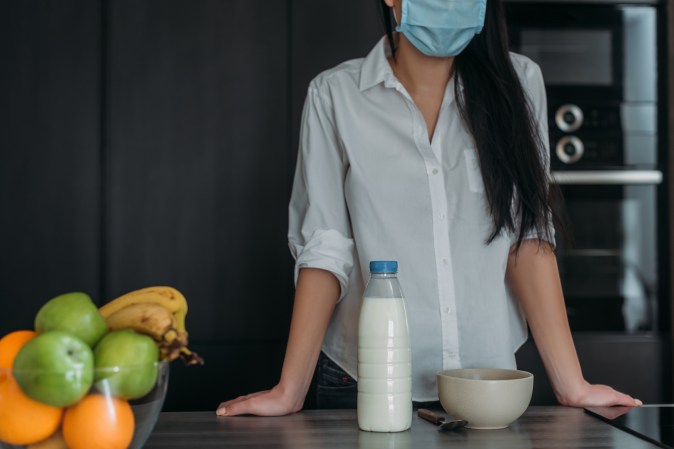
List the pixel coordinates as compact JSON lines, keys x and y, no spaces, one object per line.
{"x":222,"y":408}
{"x":262,"y":404}
{"x":226,"y":404}
{"x":617,"y":398}
{"x":249,"y":406}
{"x":627,"y":400}
{"x":236,"y":408}
{"x":243,"y":398}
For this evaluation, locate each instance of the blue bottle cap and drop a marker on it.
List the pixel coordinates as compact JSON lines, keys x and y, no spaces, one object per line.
{"x":383,"y":266}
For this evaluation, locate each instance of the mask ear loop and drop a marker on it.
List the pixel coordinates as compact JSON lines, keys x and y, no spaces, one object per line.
{"x":390,"y":31}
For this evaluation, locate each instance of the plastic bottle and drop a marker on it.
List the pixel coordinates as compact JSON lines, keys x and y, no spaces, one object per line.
{"x":384,"y":354}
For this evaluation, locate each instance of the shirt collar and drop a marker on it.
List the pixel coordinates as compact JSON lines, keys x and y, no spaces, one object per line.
{"x":376,"y":68}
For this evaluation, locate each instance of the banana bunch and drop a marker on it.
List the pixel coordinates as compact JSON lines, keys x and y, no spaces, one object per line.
{"x":158,"y":312}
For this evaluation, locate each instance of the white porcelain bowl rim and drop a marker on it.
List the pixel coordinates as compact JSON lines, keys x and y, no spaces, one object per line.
{"x":525,"y":375}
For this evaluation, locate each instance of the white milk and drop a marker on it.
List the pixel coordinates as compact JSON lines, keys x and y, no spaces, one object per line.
{"x":384,"y":366}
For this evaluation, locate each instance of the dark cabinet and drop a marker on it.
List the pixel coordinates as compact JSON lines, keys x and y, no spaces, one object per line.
{"x":198,"y":170}
{"x":198,"y":160}
{"x":50,"y":208}
{"x":147,"y":143}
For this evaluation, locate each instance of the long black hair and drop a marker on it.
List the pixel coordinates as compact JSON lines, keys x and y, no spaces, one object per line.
{"x":495,"y":110}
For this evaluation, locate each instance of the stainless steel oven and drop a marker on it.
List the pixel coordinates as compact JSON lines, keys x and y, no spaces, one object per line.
{"x":600,"y":65}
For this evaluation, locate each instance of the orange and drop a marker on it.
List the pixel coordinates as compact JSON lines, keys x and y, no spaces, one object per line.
{"x":23,"y":420}
{"x":98,"y":422}
{"x":10,"y":345}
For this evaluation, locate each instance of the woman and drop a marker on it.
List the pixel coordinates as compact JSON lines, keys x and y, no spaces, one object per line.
{"x":431,"y":151}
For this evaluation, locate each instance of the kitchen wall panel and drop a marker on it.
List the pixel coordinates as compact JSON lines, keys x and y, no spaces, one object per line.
{"x":197,"y":160}
{"x":49,"y":141}
{"x":197,"y":174}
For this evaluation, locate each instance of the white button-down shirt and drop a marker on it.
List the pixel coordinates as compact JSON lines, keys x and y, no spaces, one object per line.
{"x":370,"y":185}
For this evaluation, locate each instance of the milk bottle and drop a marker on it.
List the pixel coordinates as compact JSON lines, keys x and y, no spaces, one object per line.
{"x":384,"y":355}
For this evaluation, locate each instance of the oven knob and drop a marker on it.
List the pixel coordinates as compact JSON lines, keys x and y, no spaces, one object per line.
{"x":569,"y":149}
{"x":569,"y":117}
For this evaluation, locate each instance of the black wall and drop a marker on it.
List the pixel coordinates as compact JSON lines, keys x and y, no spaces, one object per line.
{"x":152,"y":142}
{"x":51,"y":159}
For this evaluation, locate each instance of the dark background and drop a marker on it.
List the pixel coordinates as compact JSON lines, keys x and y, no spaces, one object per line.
{"x":153,"y":142}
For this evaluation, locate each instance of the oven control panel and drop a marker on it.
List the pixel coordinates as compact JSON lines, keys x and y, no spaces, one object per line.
{"x":583,"y":136}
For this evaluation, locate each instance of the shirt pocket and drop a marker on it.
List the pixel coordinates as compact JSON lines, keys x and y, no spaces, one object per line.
{"x":475,"y":183}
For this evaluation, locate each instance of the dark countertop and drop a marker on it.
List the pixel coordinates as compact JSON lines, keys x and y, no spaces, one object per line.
{"x":539,"y":428}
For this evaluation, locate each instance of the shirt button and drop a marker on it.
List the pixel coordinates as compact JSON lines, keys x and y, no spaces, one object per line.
{"x":445,"y":261}
{"x":448,"y":310}
{"x":442,"y":216}
{"x":435,"y":171}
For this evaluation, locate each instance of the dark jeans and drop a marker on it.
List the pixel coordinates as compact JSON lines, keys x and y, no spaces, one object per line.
{"x":335,"y":389}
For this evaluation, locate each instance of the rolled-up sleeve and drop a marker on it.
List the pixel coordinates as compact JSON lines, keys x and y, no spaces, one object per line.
{"x":319,"y":231}
{"x":535,"y":89}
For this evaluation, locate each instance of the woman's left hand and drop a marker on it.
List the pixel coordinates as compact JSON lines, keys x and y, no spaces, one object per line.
{"x":596,"y":395}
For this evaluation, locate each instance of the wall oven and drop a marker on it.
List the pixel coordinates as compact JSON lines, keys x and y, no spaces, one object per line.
{"x":600,"y":66}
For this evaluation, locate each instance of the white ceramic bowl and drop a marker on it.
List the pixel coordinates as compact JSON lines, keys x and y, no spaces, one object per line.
{"x":486,"y":398}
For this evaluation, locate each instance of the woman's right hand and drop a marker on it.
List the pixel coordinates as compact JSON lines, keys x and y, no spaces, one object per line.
{"x":315,"y":298}
{"x":274,"y":402}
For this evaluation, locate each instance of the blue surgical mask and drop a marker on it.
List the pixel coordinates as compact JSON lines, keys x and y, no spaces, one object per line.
{"x":441,"y":28}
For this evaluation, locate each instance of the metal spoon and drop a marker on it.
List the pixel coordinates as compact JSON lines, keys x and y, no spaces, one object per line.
{"x":439,"y":420}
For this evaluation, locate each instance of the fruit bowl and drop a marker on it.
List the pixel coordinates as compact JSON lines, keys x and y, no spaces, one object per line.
{"x":118,"y":411}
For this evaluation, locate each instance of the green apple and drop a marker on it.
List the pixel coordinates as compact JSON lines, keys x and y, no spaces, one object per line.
{"x":74,"y":313}
{"x":54,"y":368}
{"x":126,"y":364}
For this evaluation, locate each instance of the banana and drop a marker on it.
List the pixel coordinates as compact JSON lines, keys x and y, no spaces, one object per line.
{"x":158,"y":312}
{"x":149,"y":319}
{"x":167,"y":297}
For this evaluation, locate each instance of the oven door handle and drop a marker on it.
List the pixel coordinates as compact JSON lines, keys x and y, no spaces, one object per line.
{"x":604,"y":177}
